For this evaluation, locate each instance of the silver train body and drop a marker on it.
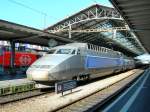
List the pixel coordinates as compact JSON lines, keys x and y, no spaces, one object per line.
{"x":77,"y":61}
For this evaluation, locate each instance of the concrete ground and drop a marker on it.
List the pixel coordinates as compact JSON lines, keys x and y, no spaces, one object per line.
{"x":134,"y":99}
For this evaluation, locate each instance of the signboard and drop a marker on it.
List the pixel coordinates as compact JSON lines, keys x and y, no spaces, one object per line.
{"x":63,"y":86}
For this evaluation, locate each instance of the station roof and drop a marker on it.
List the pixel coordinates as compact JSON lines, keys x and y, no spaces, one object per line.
{"x":97,"y":17}
{"x":18,"y":33}
{"x":137,"y":15}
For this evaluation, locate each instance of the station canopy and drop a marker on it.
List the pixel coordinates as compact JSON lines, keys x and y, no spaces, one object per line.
{"x":99,"y":25}
{"x":96,"y":24}
{"x":137,"y":15}
{"x":22,"y":34}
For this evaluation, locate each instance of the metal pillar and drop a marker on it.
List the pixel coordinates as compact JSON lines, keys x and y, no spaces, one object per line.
{"x":69,"y":31}
{"x":12,"y":54}
{"x":114,"y":34}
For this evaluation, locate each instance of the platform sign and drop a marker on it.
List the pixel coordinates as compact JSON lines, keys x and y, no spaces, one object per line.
{"x":63,"y":86}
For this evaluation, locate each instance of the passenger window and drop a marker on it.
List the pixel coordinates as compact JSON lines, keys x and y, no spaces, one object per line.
{"x":88,"y":46}
{"x":51,"y":51}
{"x":64,"y":51}
{"x":102,"y":49}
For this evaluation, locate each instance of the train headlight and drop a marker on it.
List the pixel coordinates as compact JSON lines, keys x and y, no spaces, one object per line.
{"x":38,"y":75}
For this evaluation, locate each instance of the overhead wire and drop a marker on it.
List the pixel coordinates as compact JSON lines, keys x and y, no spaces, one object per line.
{"x":33,"y":9}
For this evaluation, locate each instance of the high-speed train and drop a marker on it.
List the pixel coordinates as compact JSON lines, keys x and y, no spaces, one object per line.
{"x":77,"y":61}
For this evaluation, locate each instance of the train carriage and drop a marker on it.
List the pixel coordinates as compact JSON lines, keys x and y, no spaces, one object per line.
{"x":78,"y":61}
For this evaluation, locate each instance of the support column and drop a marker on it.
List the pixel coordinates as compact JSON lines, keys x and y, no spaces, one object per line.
{"x":12,"y":54}
{"x":69,"y":31}
{"x":114,"y":34}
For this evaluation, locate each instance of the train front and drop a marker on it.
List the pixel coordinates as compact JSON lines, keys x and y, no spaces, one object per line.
{"x":52,"y":67}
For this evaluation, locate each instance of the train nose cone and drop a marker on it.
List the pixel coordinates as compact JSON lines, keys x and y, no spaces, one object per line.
{"x":38,"y":75}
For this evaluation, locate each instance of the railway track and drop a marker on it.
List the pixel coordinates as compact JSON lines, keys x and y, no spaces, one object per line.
{"x":20,"y":96}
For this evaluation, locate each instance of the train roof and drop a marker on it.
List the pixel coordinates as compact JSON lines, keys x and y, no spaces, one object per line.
{"x":77,"y":44}
{"x":90,"y":46}
{"x":71,"y":45}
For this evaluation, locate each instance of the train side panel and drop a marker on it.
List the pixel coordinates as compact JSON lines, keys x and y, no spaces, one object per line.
{"x":100,"y":66}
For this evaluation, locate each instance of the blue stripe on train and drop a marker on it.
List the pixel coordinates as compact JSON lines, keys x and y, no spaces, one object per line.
{"x":100,"y":62}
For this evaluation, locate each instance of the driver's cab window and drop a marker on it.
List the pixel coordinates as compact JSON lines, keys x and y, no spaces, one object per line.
{"x":73,"y":52}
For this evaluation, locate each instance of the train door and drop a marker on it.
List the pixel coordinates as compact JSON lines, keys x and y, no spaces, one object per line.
{"x":81,"y":55}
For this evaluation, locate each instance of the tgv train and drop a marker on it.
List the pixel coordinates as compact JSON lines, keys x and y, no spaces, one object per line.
{"x":77,"y":61}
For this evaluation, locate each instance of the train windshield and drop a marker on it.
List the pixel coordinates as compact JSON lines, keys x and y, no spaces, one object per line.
{"x":64,"y":51}
{"x":51,"y":51}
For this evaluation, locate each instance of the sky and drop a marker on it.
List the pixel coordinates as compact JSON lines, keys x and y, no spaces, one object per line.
{"x":43,"y":13}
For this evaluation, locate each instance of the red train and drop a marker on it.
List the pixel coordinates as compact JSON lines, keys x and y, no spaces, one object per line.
{"x":22,"y":58}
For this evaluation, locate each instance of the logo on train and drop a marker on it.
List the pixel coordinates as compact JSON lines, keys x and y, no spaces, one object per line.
{"x":25,"y":59}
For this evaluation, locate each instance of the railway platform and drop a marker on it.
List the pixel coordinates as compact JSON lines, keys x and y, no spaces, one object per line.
{"x":134,"y":99}
{"x":15,"y":86}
